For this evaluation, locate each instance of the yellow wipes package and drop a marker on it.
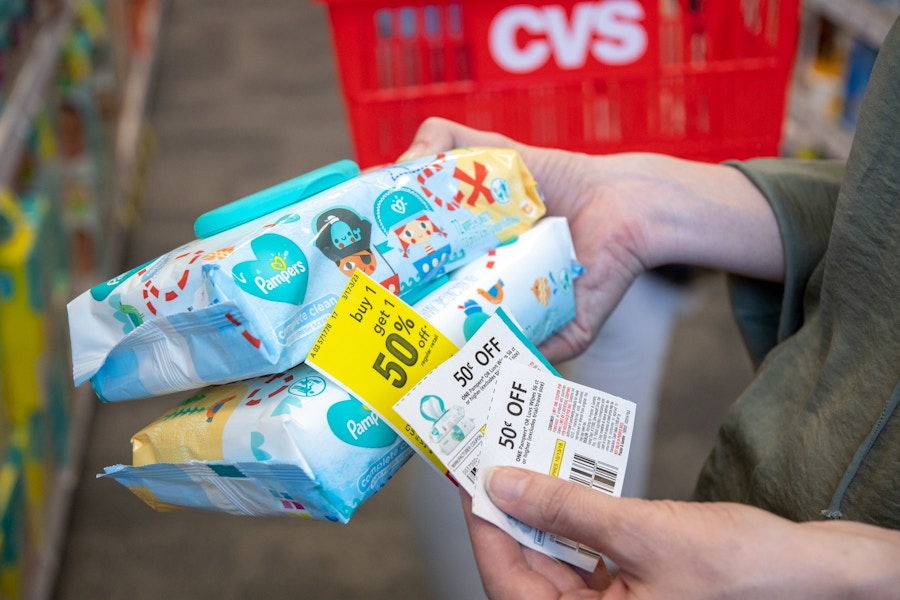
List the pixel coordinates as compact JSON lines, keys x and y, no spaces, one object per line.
{"x":294,"y":443}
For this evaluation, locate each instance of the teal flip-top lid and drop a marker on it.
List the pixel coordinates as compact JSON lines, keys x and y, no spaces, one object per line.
{"x":271,"y":199}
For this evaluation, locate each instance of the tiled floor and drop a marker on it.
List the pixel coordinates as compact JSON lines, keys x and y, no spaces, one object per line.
{"x":246,"y":97}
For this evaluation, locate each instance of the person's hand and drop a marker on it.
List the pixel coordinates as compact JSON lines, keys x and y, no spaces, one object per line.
{"x":631,"y":212}
{"x":605,"y":228}
{"x":666,"y":549}
{"x":510,"y":570}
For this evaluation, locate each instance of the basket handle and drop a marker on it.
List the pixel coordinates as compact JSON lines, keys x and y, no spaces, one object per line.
{"x":271,"y":199}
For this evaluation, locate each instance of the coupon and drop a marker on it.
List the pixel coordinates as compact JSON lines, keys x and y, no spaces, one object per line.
{"x":450,"y":405}
{"x":376,"y":347}
{"x":547,"y":424}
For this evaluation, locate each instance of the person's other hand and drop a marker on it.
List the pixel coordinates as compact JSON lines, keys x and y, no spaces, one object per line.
{"x":631,"y":212}
{"x":605,"y":226}
{"x":666,"y":549}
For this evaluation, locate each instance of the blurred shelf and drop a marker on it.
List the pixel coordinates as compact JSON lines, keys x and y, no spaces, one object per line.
{"x":31,"y":85}
{"x":62,"y":487}
{"x":864,"y":19}
{"x":130,"y":129}
{"x":805,"y":129}
{"x":29,"y":88}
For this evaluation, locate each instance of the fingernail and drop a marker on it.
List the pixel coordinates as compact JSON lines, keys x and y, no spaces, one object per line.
{"x":414,"y":151}
{"x":505,"y":484}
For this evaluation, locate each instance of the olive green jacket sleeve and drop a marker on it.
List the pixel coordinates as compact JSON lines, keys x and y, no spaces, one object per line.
{"x":816,"y":434}
{"x":803,"y":195}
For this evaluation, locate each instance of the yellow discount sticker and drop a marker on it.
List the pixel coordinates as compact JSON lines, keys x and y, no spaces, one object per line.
{"x":378,"y":347}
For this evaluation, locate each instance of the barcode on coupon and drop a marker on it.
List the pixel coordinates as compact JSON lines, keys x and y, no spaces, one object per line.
{"x":472,"y":474}
{"x":580,"y":548}
{"x":596,"y":475}
{"x":593,"y":474}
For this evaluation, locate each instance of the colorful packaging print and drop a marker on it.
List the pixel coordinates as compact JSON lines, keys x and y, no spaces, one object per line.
{"x":23,"y":316}
{"x":530,"y":278}
{"x":249,"y":298}
{"x":289,"y":444}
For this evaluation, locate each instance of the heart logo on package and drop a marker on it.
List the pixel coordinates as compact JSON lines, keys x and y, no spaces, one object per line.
{"x":353,"y":423}
{"x":280,"y":272}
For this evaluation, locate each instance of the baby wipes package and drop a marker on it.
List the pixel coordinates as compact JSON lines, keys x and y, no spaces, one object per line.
{"x":294,"y":443}
{"x":250,"y":295}
{"x":531,"y":278}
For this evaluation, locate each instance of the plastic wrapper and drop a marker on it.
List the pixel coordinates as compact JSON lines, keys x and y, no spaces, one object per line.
{"x":250,"y":295}
{"x":297,"y":443}
{"x":530,"y":278}
{"x":289,"y":444}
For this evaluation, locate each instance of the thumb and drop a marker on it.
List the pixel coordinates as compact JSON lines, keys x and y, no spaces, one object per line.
{"x":433,"y":135}
{"x":620,"y":528}
{"x":436,"y":134}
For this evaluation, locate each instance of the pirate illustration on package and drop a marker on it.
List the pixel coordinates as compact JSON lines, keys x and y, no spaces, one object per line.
{"x":344,"y":238}
{"x":409,"y":222}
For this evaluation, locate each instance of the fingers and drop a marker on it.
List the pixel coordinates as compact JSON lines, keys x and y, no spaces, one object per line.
{"x":567,"y":343}
{"x":439,"y":135}
{"x":544,"y":502}
{"x":558,"y":348}
{"x":502,"y":564}
{"x":609,"y":525}
{"x":434,"y":135}
{"x":510,"y":571}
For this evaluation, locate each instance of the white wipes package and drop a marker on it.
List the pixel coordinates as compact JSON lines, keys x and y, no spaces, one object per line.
{"x":294,"y":443}
{"x":449,"y":406}
{"x":251,"y":294}
{"x":530,"y":278}
{"x":553,"y":426}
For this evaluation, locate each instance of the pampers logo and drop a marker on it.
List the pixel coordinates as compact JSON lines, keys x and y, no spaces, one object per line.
{"x":283,"y":277}
{"x":279,"y":272}
{"x":356,"y":425}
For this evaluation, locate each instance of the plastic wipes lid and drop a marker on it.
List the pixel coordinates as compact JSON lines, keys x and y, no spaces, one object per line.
{"x":271,"y":199}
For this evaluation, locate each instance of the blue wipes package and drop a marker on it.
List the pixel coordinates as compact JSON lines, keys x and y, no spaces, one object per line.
{"x":250,"y":295}
{"x":293,"y":444}
{"x":531,"y":278}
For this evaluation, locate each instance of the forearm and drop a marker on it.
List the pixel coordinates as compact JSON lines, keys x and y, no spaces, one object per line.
{"x":701,"y":214}
{"x":643,"y":210}
{"x":842,"y":559}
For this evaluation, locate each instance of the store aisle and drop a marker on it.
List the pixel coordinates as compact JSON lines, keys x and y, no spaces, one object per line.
{"x":246,"y":97}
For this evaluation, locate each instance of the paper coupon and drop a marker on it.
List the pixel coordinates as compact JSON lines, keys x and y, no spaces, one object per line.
{"x":449,"y":406}
{"x":377,"y":348}
{"x":550,"y":425}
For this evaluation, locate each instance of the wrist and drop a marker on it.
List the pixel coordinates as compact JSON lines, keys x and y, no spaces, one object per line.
{"x":701,"y":214}
{"x":848,"y":559}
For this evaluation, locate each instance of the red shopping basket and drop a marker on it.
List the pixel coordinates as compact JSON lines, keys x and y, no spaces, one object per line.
{"x":701,"y":79}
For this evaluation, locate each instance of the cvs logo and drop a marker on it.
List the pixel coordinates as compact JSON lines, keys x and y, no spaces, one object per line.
{"x":523,"y":38}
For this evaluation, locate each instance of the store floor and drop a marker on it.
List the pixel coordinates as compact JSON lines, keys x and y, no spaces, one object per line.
{"x":245,"y":97}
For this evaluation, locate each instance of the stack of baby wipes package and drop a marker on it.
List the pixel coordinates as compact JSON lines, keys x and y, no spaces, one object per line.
{"x":234,"y":314}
